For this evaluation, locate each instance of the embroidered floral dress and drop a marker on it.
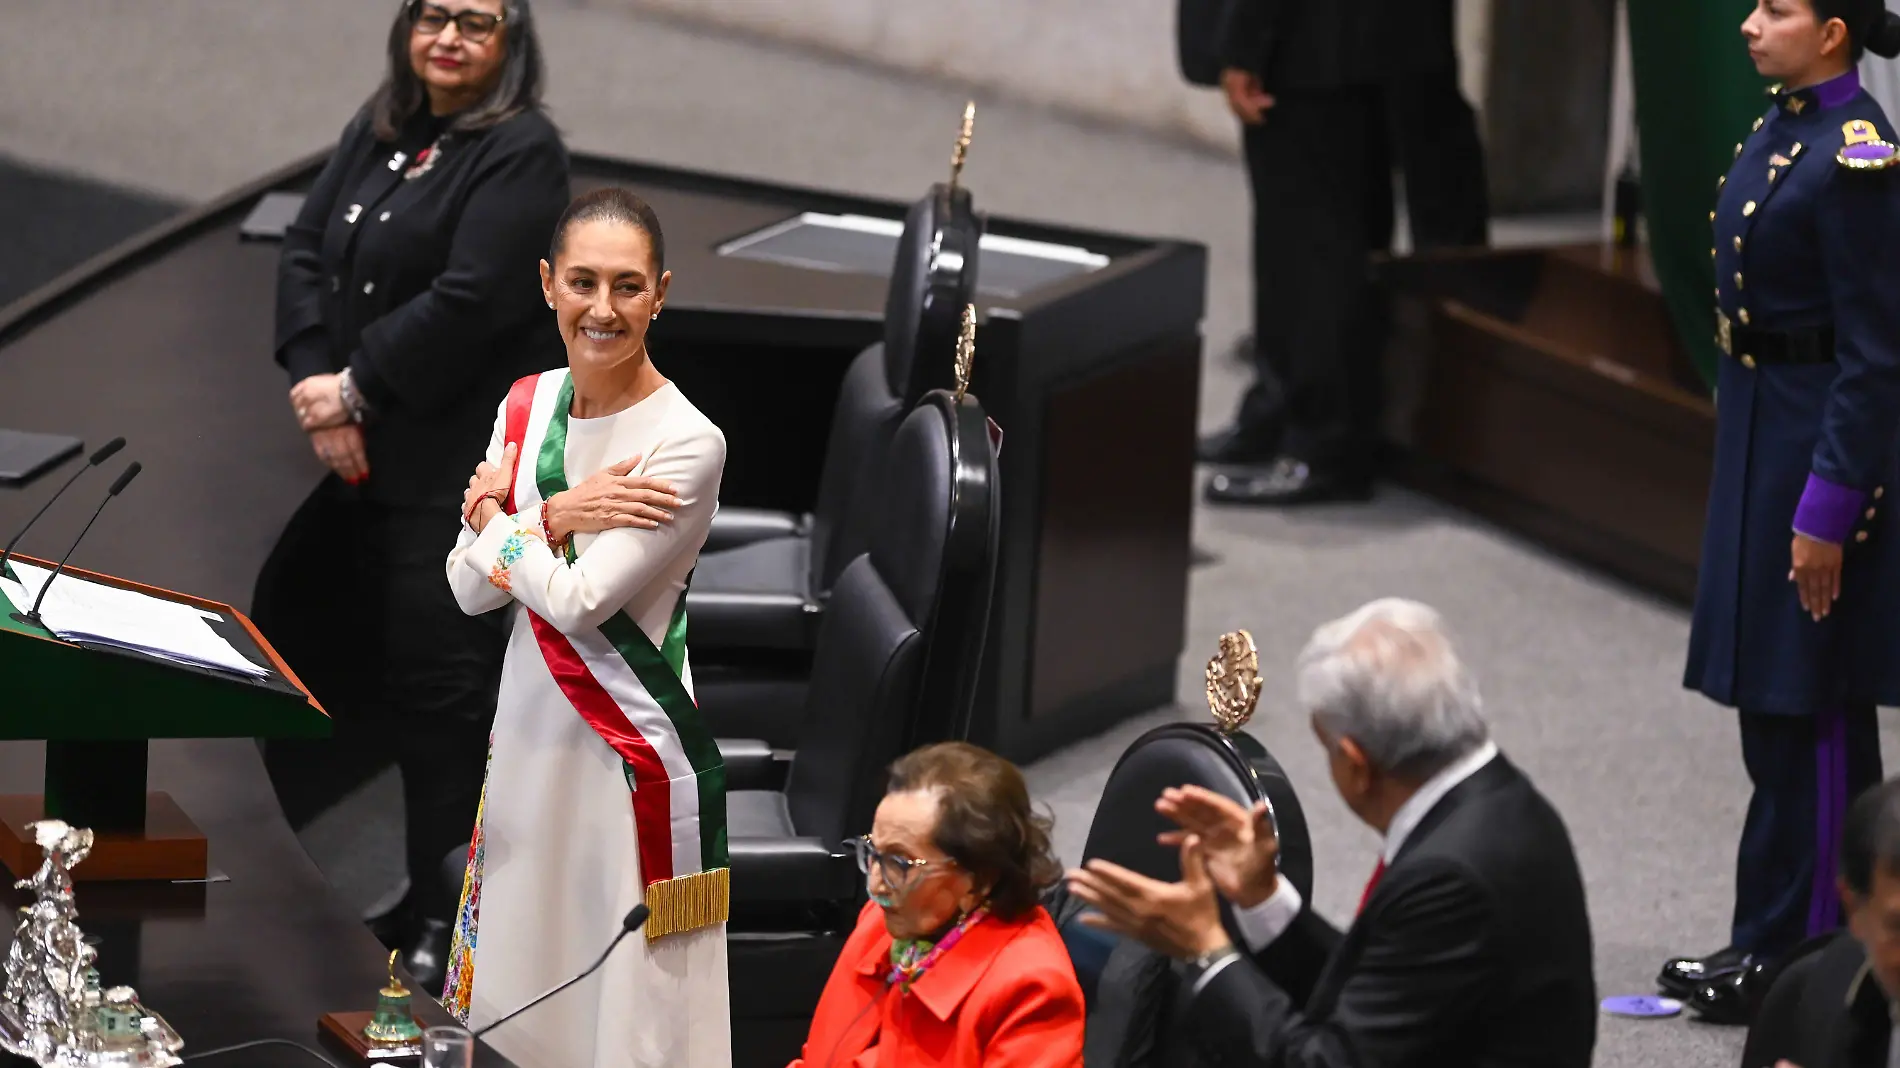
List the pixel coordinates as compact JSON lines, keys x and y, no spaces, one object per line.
{"x":604,"y":788}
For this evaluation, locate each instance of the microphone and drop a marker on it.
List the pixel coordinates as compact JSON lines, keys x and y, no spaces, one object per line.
{"x":118,"y":487}
{"x":634,"y":921}
{"x":105,"y":453}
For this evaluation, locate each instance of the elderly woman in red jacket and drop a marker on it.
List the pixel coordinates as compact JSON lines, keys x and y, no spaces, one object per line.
{"x":953,"y":961}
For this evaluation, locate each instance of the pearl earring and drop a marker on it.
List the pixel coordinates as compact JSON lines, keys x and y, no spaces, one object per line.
{"x":656,"y":315}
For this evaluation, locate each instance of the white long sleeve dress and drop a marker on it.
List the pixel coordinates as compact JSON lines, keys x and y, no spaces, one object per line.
{"x":604,"y":788}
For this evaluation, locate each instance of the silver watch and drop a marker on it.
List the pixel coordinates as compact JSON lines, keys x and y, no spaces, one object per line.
{"x":353,"y":402}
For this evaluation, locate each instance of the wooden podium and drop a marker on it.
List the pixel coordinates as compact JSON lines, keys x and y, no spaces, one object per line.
{"x":98,"y":708}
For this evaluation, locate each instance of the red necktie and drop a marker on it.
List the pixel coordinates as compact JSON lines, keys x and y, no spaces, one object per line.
{"x":1377,"y":874}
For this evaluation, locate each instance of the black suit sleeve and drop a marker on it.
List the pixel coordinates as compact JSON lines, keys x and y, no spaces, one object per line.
{"x":302,"y":345}
{"x":1776,"y":1031}
{"x":1294,"y":961}
{"x":1245,"y":34}
{"x":1423,"y":963}
{"x":414,"y":356}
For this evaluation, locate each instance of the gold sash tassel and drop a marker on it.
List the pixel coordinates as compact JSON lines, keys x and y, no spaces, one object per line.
{"x":688,"y":902}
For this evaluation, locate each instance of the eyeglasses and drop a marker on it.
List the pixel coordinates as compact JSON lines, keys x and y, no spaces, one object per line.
{"x":475,"y":27}
{"x":897,"y":871}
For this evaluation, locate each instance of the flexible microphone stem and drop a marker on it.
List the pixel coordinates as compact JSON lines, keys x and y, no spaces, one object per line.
{"x":118,"y":486}
{"x":634,"y":921}
{"x":105,"y":453}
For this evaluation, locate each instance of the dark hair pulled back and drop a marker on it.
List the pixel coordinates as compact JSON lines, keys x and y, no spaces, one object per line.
{"x":612,"y":203}
{"x":1870,"y":26}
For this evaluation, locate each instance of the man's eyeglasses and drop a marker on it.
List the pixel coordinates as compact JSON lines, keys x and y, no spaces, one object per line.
{"x":474,"y":26}
{"x":897,"y":871}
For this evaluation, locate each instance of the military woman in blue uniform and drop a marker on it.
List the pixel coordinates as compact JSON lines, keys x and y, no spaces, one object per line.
{"x":1797,"y":614}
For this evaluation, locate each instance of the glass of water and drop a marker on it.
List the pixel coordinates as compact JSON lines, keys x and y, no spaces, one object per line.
{"x":447,"y":1047}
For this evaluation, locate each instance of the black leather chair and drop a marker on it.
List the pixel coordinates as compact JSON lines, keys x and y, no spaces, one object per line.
{"x":905,"y":621}
{"x":764,"y":576}
{"x":1131,"y":992}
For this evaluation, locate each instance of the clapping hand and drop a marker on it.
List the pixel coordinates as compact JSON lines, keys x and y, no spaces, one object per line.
{"x":1179,"y":920}
{"x":1240,"y":846}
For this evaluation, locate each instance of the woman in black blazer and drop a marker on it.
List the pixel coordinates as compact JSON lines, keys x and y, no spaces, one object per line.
{"x":408,"y":299}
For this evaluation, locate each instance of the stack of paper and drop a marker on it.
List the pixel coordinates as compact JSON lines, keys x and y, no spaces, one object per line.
{"x":81,"y":611}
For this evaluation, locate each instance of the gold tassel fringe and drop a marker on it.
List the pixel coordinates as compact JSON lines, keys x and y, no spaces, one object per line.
{"x":688,"y":903}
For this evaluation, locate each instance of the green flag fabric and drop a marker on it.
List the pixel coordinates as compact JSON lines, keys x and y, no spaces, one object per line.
{"x":1696,"y":94}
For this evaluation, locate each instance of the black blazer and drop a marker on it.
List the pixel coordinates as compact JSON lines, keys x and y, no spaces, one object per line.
{"x":1823,"y":1011}
{"x":1325,"y":44}
{"x":427,"y":287}
{"x":1474,"y":949}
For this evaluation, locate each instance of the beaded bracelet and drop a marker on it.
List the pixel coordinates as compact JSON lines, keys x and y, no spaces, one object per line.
{"x":559,"y":545}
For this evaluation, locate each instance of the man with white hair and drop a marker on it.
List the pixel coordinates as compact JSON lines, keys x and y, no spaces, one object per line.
{"x":1471,"y":944}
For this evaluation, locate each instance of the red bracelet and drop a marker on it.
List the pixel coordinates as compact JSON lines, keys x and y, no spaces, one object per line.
{"x":496,"y":495}
{"x":559,"y":545}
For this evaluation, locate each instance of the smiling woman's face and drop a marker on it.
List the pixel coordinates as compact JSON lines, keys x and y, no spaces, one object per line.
{"x":603,"y":291}
{"x":457,"y":70}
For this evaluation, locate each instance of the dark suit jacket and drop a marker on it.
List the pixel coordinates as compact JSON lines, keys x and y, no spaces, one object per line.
{"x":1824,"y":1011}
{"x":1324,"y":44}
{"x":1473,"y":950}
{"x":428,"y":288}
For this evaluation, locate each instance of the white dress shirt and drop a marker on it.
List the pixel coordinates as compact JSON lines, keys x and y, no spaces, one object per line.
{"x":1261,"y":924}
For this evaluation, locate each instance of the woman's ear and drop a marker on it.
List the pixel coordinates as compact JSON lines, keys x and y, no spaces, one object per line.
{"x":659,"y":291}
{"x":547,"y":282}
{"x":1833,"y":37}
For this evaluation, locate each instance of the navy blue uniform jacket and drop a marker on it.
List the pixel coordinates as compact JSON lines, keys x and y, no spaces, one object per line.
{"x":1805,"y":242}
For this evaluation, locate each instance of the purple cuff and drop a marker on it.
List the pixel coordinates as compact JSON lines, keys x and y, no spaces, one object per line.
{"x":1827,"y":511}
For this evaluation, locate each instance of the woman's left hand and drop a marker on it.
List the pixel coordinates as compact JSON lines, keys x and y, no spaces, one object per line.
{"x":318,"y":402}
{"x":489,"y":478}
{"x":1816,"y":574}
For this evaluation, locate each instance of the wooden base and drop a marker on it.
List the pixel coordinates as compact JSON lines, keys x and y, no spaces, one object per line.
{"x":171,"y":846}
{"x":343,"y":1033}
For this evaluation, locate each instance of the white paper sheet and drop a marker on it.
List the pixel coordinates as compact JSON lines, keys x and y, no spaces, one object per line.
{"x":78,"y":610}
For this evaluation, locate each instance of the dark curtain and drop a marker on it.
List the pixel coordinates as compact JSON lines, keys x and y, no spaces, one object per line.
{"x":1696,"y":94}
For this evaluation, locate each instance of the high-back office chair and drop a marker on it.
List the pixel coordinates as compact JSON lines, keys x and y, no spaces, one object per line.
{"x":1129,"y":989}
{"x":885,"y":637}
{"x":764,"y":577}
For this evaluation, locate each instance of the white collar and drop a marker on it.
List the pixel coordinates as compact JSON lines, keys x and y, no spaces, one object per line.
{"x":1406,"y":819}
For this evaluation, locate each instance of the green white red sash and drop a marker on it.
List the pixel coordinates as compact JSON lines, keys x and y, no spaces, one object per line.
{"x":630,"y":692}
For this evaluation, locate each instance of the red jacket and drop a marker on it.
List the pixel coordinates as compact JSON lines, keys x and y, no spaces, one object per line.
{"x":1003,"y":997}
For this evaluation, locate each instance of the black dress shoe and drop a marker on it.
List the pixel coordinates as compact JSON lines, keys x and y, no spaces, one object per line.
{"x":1286,"y":481}
{"x":1238,"y":445}
{"x":427,"y":958}
{"x":1733,"y":999}
{"x":1683,"y":976}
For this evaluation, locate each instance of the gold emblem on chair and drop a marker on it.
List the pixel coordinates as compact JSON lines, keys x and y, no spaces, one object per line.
{"x":1233,"y":681}
{"x":966,"y":351}
{"x":961,"y":150}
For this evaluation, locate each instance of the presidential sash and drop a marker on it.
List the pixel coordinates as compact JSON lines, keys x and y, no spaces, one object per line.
{"x":630,"y":692}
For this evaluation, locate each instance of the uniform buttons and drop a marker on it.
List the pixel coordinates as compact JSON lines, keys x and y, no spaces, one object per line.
{"x":1771,"y":174}
{"x":1795,"y":151}
{"x":1862,"y":536}
{"x":1721,"y":181}
{"x":1757,"y":125}
{"x":1879,"y":492}
{"x":1870,"y":513}
{"x":384,"y":217}
{"x":1738,"y":150}
{"x":368,"y":288}
{"x":1738,"y":279}
{"x":1743,"y":316}
{"x":1748,"y":208}
{"x":1738,"y":244}
{"x":1748,"y":361}
{"x":1711,"y":253}
{"x":1711,"y":216}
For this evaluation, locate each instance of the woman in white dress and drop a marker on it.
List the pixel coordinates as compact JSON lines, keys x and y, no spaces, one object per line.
{"x":605,"y":789}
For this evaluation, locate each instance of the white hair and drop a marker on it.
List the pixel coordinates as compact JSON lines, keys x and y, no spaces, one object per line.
{"x":1386,"y":677}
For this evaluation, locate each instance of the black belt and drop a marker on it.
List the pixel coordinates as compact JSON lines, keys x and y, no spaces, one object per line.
{"x":1754,"y":347}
